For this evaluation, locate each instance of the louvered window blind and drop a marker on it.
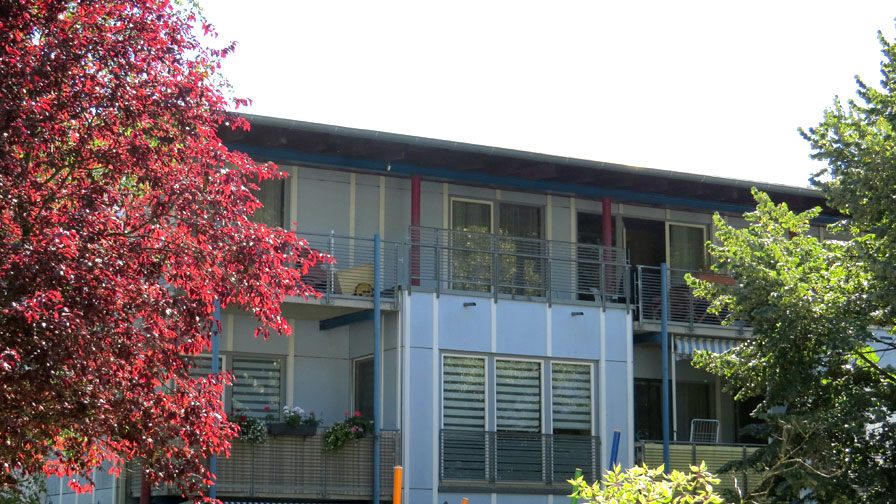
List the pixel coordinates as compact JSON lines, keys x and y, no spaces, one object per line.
{"x":571,"y":398}
{"x":463,"y":394}
{"x":256,"y":385}
{"x":518,"y":396}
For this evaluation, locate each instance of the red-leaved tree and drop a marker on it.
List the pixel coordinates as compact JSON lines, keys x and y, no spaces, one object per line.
{"x":123,"y":218}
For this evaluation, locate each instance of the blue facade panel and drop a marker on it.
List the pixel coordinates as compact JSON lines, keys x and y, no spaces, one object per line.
{"x":617,"y":410}
{"x":617,"y":335}
{"x":420,"y":439}
{"x":521,"y":328}
{"x":462,"y":327}
{"x":575,"y":336}
{"x":421,"y":319}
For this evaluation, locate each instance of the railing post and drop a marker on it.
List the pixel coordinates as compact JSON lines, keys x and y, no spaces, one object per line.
{"x":331,"y":272}
{"x":495,"y":262}
{"x":437,"y":259}
{"x":549,"y":285}
{"x":603,"y":278}
{"x":690,"y":308}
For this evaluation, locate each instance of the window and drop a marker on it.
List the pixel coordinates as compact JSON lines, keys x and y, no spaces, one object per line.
{"x":520,"y":268}
{"x":271,"y":193}
{"x":257,"y":383}
{"x":463,"y":440}
{"x":471,"y":258}
{"x":363,"y":386}
{"x":571,"y":398}
{"x":686,"y":247}
{"x":518,"y":396}
{"x":256,"y":386}
{"x":516,"y":449}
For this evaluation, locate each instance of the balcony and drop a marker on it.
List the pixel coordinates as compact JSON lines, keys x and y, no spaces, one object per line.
{"x":444,"y":260}
{"x":491,"y":461}
{"x":683,"y":455}
{"x":352,"y":275}
{"x":685,"y":309}
{"x":296,"y":467}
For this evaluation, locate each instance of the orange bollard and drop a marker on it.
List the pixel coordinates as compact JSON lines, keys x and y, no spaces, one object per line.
{"x":463,"y":501}
{"x":396,"y":485}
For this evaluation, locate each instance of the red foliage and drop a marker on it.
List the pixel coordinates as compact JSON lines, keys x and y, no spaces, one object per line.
{"x":122,"y":219}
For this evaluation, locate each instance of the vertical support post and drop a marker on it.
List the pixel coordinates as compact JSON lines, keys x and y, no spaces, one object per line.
{"x":664,"y":329}
{"x":396,"y":484}
{"x":377,"y":364}
{"x":415,"y":230}
{"x":216,"y":368}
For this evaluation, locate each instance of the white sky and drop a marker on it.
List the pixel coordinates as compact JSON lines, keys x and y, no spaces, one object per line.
{"x":705,"y":87}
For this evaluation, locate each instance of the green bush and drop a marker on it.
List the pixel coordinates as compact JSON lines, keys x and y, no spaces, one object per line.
{"x":641,"y":484}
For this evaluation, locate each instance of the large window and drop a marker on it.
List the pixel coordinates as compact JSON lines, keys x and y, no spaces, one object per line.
{"x":272,"y":195}
{"x":516,"y":449}
{"x":687,"y":247}
{"x":257,"y":388}
{"x":511,"y":254}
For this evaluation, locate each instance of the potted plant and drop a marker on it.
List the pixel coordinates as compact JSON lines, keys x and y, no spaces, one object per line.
{"x":295,"y":423}
{"x":353,"y":427}
{"x":252,"y":430}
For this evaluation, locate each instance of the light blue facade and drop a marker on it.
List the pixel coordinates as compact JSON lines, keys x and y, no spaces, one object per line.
{"x":459,"y":325}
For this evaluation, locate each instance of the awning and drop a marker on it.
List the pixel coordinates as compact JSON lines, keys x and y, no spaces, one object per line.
{"x":687,"y":345}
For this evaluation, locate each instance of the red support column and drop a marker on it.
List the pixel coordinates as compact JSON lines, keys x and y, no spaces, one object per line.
{"x":415,"y":230}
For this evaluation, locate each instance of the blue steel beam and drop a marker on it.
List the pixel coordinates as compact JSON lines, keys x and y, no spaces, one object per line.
{"x":343,"y":320}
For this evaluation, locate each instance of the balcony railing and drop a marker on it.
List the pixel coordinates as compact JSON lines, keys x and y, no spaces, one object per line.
{"x":296,"y":467}
{"x":684,"y":455}
{"x":490,"y":460}
{"x":684,"y":307}
{"x":352,"y":275}
{"x":447,"y":260}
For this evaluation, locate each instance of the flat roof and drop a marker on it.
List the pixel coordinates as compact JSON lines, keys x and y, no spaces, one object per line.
{"x":286,"y":140}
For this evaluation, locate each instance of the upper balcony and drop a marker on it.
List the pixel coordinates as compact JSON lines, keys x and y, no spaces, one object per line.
{"x":350,"y":279}
{"x":685,"y":309}
{"x":499,"y":266}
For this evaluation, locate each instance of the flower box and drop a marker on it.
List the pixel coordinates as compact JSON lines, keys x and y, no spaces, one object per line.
{"x":284,"y":429}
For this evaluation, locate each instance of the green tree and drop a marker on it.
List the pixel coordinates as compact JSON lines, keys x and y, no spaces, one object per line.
{"x":825,"y":400}
{"x":816,"y":308}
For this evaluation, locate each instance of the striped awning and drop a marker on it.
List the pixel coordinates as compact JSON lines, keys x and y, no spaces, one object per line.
{"x":687,"y":345}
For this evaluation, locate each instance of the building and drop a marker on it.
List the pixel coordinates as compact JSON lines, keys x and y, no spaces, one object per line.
{"x":519,"y":319}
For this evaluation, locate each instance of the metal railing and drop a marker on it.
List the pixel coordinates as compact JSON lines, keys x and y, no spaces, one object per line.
{"x":490,"y":459}
{"x":352,"y":275}
{"x":447,"y":260}
{"x":684,"y":307}
{"x":683,"y":455}
{"x":296,"y":467}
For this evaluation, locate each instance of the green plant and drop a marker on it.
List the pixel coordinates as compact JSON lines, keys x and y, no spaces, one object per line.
{"x":296,"y":416}
{"x":252,"y":430}
{"x":353,"y":427}
{"x":642,"y":484}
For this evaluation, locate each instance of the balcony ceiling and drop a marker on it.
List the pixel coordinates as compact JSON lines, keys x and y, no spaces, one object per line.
{"x":478,"y":165}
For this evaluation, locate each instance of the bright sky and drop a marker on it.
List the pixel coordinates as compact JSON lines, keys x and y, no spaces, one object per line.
{"x":714,"y":87}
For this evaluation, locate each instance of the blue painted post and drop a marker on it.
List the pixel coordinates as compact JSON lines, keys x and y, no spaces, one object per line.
{"x":377,"y":366}
{"x":614,"y":452}
{"x":664,"y":329}
{"x":216,"y":368}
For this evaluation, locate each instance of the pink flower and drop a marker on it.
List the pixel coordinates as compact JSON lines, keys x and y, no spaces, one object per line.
{"x":267,"y":408}
{"x":357,"y":413}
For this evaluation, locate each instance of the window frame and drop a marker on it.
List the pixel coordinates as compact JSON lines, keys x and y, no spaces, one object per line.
{"x":355,"y":362}
{"x":669,"y":224}
{"x":486,"y":387}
